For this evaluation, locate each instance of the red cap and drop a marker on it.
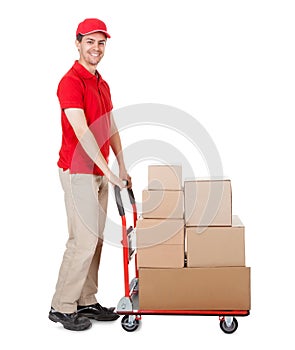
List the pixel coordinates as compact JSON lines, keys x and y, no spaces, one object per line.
{"x":92,"y":25}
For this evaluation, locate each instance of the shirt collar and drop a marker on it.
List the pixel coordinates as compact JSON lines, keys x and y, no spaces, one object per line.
{"x":83,"y":72}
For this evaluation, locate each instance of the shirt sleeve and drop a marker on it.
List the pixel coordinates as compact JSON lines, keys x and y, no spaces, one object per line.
{"x":70,"y":93}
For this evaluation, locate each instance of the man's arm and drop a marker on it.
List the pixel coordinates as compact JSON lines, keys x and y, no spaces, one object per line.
{"x":77,"y":119}
{"x":115,"y":142}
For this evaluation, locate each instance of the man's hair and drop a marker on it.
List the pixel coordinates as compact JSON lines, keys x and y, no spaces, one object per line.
{"x":79,"y":37}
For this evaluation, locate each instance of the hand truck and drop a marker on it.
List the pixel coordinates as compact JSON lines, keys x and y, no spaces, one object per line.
{"x":128,"y":306}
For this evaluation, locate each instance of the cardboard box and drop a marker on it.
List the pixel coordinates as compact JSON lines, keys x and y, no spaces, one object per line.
{"x":160,"y":243}
{"x":161,"y":256}
{"x":216,"y":246}
{"x":165,"y":177}
{"x":162,"y":204}
{"x":222,"y":288}
{"x":208,"y":203}
{"x":150,"y":232}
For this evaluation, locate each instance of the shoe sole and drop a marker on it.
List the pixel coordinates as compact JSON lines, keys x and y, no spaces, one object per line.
{"x":99,"y":317}
{"x":69,"y":326}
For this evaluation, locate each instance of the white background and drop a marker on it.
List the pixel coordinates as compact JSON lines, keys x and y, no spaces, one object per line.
{"x":230,"y":64}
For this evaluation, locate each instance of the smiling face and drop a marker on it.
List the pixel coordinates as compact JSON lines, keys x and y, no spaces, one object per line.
{"x":91,"y":49}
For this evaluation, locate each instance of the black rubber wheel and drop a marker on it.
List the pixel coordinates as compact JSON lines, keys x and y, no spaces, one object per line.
{"x":229,"y":329}
{"x":127,"y":326}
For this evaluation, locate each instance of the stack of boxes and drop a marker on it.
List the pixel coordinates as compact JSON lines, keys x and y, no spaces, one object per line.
{"x":191,"y":249}
{"x":160,"y":234}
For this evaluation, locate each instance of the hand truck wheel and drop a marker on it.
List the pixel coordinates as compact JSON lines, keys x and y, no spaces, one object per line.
{"x":130,"y":323}
{"x":228,"y":324}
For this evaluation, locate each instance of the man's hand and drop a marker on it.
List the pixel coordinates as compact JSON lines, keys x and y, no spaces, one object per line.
{"x":125,"y":176}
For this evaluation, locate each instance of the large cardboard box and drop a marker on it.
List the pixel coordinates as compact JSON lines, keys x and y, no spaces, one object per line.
{"x":165,"y":177}
{"x":160,"y":243}
{"x":222,"y":288}
{"x":162,"y":204}
{"x":216,"y":246}
{"x":208,"y":203}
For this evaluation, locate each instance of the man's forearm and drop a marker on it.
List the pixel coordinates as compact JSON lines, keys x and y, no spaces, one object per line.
{"x":86,"y":138}
{"x":90,"y":146}
{"x":115,"y":143}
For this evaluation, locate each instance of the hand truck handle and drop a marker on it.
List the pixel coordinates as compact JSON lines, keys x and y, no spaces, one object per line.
{"x":119,"y":201}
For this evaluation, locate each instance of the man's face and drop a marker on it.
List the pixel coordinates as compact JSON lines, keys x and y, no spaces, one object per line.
{"x":91,"y":50}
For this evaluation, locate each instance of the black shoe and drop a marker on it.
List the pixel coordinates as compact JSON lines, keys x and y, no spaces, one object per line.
{"x":73,"y":321}
{"x":98,"y":312}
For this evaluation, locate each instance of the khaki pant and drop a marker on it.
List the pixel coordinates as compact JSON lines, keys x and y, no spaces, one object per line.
{"x":86,"y":198}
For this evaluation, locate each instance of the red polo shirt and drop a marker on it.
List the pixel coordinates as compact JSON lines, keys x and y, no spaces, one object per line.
{"x":80,"y":89}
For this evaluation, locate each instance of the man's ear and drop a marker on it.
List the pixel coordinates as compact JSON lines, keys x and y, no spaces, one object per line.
{"x":78,"y":44}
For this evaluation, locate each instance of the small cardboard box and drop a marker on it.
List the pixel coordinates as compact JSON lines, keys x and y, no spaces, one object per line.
{"x":216,"y":246}
{"x":161,"y":256}
{"x":160,"y":243}
{"x":208,"y":203}
{"x":150,"y":232}
{"x":165,"y":177}
{"x":162,"y":204}
{"x":222,"y":288}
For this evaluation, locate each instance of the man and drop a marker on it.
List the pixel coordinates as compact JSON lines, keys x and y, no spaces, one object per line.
{"x":88,"y":131}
